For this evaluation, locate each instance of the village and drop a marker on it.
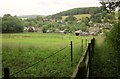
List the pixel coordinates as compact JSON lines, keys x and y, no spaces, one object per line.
{"x":96,"y":29}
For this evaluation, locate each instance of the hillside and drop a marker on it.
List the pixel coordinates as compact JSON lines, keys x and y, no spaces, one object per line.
{"x":76,"y":11}
{"x":78,"y":16}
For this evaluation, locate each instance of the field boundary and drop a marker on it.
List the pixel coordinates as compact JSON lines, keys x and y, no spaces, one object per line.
{"x":83,"y":68}
{"x":7,"y":74}
{"x":84,"y":60}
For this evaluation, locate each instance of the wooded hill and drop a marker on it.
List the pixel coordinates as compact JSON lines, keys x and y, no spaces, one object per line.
{"x":75,"y":11}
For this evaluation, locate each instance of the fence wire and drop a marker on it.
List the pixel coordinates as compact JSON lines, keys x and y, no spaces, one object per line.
{"x":66,"y":55}
{"x":39,"y":61}
{"x":60,"y":60}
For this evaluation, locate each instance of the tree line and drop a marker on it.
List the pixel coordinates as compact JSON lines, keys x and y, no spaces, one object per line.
{"x":75,"y":11}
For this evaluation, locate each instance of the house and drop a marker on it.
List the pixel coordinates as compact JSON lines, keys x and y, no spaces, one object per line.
{"x":39,"y":29}
{"x":26,"y":29}
{"x":94,"y":30}
{"x":45,"y":19}
{"x":100,"y":25}
{"x":107,"y":25}
{"x":85,"y":33}
{"x":48,"y":31}
{"x":60,"y":21}
{"x":93,"y":33}
{"x":31,"y":29}
{"x":62,"y":31}
{"x":57,"y":30}
{"x":78,"y":32}
{"x":24,"y":19}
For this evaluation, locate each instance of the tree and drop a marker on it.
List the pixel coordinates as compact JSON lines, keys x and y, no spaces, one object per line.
{"x":58,"y":17}
{"x":103,"y":14}
{"x":44,"y":28}
{"x":113,"y":36}
{"x":85,"y":20}
{"x":109,"y":5}
{"x":96,"y":18}
{"x":71,"y":18}
{"x":83,"y":26}
{"x":39,"y":18}
{"x":25,"y":23}
{"x":11,"y":24}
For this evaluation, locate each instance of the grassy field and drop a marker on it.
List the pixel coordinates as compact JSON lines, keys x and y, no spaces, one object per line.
{"x":24,"y":49}
{"x":79,"y":16}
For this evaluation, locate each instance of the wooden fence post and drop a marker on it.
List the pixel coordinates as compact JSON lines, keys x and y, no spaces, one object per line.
{"x":92,"y":45}
{"x":6,"y":73}
{"x":71,"y":53}
{"x":89,"y":62}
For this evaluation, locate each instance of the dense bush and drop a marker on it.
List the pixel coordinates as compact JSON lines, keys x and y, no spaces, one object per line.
{"x":113,"y":39}
{"x":11,"y":24}
{"x":71,"y":18}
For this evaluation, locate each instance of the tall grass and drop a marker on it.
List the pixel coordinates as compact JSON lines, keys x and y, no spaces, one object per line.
{"x":21,"y":50}
{"x":104,"y":62}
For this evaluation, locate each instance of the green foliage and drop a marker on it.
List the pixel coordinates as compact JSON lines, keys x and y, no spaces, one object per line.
{"x":85,"y":20}
{"x":83,"y":26}
{"x":104,"y":62}
{"x":25,"y":23}
{"x":75,"y":11}
{"x":109,"y":17}
{"x":71,"y":19}
{"x":39,"y":18}
{"x":58,"y":17}
{"x":112,"y":5}
{"x":44,"y":28}
{"x":96,"y":18}
{"x":103,"y":14}
{"x":113,"y":36}
{"x":113,"y":39}
{"x":11,"y":24}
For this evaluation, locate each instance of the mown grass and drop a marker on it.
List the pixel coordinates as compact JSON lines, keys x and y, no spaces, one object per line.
{"x":23,"y":49}
{"x":79,"y":16}
{"x":104,"y":62}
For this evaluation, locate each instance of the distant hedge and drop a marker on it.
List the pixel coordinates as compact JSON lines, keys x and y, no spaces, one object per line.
{"x":11,"y":24}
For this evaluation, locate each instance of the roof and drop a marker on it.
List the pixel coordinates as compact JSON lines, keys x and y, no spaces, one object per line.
{"x":78,"y":31}
{"x":107,"y":25}
{"x":94,"y":29}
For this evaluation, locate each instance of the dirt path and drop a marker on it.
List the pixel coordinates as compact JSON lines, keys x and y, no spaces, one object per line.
{"x":104,"y":62}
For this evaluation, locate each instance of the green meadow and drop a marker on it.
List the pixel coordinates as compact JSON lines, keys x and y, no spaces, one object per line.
{"x":79,"y":16}
{"x":20,"y":50}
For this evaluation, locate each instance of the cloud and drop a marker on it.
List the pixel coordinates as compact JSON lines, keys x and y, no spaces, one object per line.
{"x":43,"y":7}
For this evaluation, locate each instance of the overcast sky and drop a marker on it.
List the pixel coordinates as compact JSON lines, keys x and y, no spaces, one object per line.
{"x":42,"y":7}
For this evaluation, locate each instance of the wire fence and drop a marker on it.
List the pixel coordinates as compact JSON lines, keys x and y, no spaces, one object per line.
{"x":6,"y":72}
{"x":83,"y":69}
{"x":61,"y":61}
{"x":39,"y":61}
